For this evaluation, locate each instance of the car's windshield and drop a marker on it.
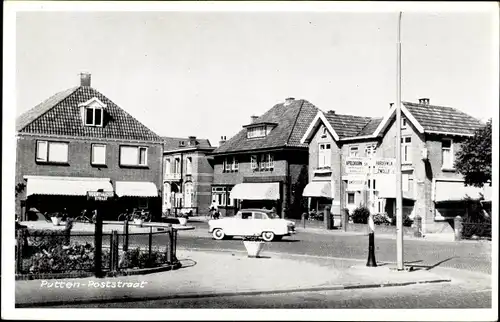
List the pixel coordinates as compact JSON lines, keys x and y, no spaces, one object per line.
{"x":272,"y":215}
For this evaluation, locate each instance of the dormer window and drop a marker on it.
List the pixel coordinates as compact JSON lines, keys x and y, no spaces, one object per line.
{"x":93,"y":116}
{"x":92,"y":112}
{"x":260,"y":130}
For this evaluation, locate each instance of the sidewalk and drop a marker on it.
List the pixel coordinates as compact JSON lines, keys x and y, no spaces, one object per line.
{"x":107,"y":227}
{"x":226,"y":273}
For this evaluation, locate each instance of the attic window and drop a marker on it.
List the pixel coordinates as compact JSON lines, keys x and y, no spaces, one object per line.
{"x":323,"y":133}
{"x":259,"y":131}
{"x":182,"y":143}
{"x":93,"y":116}
{"x":92,"y":112}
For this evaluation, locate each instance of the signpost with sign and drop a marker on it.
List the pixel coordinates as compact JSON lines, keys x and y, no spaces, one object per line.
{"x":100,"y":195}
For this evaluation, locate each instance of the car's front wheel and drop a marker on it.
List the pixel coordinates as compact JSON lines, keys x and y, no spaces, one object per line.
{"x":268,"y":236}
{"x":218,"y":234}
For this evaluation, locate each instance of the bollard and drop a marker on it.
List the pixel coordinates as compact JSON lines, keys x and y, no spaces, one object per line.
{"x":345,"y":219}
{"x":303,"y":220}
{"x":371,"y":243}
{"x":417,"y":222}
{"x":326,"y":218}
{"x":458,"y":221}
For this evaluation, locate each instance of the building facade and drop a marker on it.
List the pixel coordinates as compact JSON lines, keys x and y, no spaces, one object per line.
{"x":265,"y":165}
{"x":79,"y":141}
{"x":187,"y":175}
{"x":430,"y":137}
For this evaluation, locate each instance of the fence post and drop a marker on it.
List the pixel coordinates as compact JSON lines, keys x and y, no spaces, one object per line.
{"x":150,"y":243}
{"x":458,"y":221}
{"x":125,"y":235}
{"x":98,"y":245}
{"x":114,"y":251}
{"x":303,"y":220}
{"x":19,"y":253}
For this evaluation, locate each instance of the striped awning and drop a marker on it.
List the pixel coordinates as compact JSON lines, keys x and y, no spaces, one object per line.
{"x":65,"y":186}
{"x":256,"y":191}
{"x":318,"y":189}
{"x":136,"y":189}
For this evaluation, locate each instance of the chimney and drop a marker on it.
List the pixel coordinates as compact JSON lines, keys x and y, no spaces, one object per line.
{"x":331,"y":112}
{"x":288,"y":101}
{"x":424,"y":101}
{"x":192,"y":140}
{"x":222,"y":140}
{"x":85,"y":79}
{"x":253,"y":118}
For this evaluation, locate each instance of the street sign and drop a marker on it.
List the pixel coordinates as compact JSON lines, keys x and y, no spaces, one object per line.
{"x":100,"y":195}
{"x":356,"y":165}
{"x":356,"y":182}
{"x":385,"y":166}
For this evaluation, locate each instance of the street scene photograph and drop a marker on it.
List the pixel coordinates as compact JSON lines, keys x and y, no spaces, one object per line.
{"x":325,"y":160}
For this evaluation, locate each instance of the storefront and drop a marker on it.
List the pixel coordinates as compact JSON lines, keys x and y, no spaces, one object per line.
{"x":258,"y":195}
{"x":54,"y":194}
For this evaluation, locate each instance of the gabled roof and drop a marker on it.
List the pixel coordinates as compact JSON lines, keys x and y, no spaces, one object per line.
{"x":434,"y":119}
{"x":61,"y":115}
{"x":172,"y":143}
{"x":442,"y":119}
{"x":347,"y":125}
{"x":342,"y":126}
{"x":292,"y":121}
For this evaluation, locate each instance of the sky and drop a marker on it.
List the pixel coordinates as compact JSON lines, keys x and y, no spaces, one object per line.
{"x":205,"y":73}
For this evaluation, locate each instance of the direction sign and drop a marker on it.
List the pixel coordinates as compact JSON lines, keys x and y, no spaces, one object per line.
{"x":385,"y":166}
{"x":356,"y":165}
{"x":356,"y":182}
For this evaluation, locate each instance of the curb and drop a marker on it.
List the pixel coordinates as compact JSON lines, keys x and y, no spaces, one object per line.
{"x":224,"y":294}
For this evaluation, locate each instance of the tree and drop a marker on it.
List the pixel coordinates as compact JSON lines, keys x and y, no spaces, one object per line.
{"x":473,"y":161}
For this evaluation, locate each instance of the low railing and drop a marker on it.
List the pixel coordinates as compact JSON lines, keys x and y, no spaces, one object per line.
{"x":53,"y":252}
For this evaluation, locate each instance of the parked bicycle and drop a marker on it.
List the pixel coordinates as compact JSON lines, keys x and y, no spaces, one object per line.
{"x":85,"y":217}
{"x":142,"y":214}
{"x":128,"y":215}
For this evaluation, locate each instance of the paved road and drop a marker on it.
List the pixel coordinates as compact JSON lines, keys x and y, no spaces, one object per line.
{"x":419,"y":296}
{"x":473,"y":256}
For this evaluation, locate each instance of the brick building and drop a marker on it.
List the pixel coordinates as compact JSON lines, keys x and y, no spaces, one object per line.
{"x":78,"y":141}
{"x":265,"y":164}
{"x":431,"y":135}
{"x":187,"y":175}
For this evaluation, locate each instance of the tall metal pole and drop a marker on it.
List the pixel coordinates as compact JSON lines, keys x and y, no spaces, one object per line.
{"x":399,"y":192}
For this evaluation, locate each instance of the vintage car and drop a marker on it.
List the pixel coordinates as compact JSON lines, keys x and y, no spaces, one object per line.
{"x":252,"y":222}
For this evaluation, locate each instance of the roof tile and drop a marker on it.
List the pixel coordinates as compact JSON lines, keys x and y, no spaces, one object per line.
{"x":60,"y":115}
{"x":292,"y":122}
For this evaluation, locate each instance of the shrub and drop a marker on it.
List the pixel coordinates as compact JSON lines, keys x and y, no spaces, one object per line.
{"x":407,"y":222}
{"x":136,"y":258}
{"x":39,"y":239}
{"x":381,"y":219}
{"x":64,"y":259}
{"x":360,"y":215}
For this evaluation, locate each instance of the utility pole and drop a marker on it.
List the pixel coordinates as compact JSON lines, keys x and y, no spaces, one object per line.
{"x":399,"y":186}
